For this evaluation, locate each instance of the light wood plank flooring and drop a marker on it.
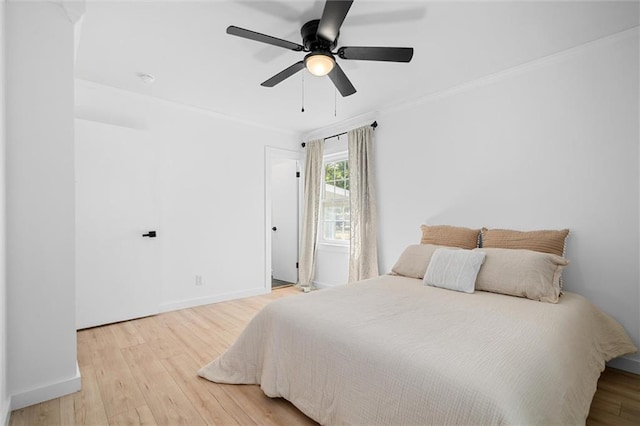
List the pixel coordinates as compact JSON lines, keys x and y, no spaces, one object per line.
{"x":143,"y":372}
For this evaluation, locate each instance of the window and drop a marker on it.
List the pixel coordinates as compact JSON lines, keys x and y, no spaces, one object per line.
{"x":336,"y":221}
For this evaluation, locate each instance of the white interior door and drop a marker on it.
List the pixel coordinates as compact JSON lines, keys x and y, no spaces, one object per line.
{"x":117,"y":269}
{"x":284,"y":219}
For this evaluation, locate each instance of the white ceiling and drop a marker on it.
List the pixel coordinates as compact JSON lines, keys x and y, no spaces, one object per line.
{"x":195,"y":62}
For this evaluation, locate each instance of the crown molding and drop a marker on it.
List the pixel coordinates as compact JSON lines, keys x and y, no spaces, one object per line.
{"x":187,"y":107}
{"x":341,"y":126}
{"x":516,"y":70}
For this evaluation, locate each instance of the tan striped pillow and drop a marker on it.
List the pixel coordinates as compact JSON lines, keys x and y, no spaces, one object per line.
{"x":450,"y":236}
{"x":545,"y":241}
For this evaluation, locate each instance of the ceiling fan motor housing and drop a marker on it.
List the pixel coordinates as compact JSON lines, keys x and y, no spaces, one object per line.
{"x":312,"y":42}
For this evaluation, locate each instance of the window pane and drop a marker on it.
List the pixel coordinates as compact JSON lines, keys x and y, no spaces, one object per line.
{"x":329,"y":230}
{"x":344,"y":228}
{"x":346,"y":231}
{"x":331,"y":171}
{"x":335,"y":222}
{"x":329,"y":190}
{"x":331,"y":212}
{"x":339,"y":230}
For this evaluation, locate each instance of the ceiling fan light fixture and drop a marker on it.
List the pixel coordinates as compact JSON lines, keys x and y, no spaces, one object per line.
{"x":319,"y":63}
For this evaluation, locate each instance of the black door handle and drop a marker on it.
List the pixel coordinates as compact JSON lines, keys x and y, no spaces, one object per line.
{"x":150,"y":234}
{"x":274,"y":229}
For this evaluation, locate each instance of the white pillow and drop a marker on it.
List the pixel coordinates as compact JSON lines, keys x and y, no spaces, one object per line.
{"x":454,"y":269}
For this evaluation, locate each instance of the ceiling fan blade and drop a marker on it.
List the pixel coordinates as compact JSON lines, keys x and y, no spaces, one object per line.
{"x":283,"y":75}
{"x":341,"y":81}
{"x":332,"y":18}
{"x":391,"y":54}
{"x":263,"y":38}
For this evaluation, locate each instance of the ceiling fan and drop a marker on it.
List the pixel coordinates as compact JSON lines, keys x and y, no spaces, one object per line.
{"x":320,"y":38}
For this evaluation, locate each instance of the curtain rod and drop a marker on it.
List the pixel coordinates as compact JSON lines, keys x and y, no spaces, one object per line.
{"x":374,"y":125}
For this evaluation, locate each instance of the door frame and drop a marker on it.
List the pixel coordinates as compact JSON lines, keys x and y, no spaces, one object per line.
{"x":272,"y":153}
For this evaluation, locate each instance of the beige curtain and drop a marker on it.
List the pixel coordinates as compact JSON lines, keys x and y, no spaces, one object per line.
{"x":363,"y":251}
{"x":311,"y":208}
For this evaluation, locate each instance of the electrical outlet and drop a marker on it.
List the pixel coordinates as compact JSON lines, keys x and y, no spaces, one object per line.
{"x":199,"y":280}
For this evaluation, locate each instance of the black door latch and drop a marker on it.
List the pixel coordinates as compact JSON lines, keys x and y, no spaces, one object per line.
{"x":150,"y":234}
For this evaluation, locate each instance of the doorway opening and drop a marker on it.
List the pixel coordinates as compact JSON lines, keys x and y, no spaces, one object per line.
{"x":283,"y":195}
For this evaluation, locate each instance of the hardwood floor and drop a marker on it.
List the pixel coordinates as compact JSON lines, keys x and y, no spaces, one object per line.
{"x":279,"y":283}
{"x":143,"y":372}
{"x":617,"y":400}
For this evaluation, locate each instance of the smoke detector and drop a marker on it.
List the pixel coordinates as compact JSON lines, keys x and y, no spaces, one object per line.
{"x":146,"y":78}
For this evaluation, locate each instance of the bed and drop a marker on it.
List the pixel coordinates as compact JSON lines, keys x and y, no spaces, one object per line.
{"x":390,"y":350}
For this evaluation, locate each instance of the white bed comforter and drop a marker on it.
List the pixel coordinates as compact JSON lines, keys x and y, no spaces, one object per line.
{"x":392,"y":351}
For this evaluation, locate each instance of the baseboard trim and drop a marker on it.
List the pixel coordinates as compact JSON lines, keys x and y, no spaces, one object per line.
{"x":626,"y":363}
{"x":199,"y":301}
{"x":46,"y":392}
{"x":5,"y":413}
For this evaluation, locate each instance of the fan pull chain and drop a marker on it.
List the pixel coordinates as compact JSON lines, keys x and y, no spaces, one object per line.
{"x":335,"y":102}
{"x":302,"y":109}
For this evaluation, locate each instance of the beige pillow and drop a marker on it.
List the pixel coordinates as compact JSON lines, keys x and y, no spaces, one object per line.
{"x":522,"y":273}
{"x":451,"y":236}
{"x":414,"y":260}
{"x":542,"y":241}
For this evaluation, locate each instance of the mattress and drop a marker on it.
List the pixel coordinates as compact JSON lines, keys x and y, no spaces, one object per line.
{"x":390,"y":350}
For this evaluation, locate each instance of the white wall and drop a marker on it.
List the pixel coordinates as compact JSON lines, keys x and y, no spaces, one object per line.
{"x":551,"y":144}
{"x":41,"y":338}
{"x":4,"y":399}
{"x":212,"y":181}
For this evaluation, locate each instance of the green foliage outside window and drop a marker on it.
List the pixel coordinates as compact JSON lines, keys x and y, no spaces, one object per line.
{"x":337,"y":174}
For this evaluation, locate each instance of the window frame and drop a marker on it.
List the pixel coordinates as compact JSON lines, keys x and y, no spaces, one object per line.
{"x":330,"y":158}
